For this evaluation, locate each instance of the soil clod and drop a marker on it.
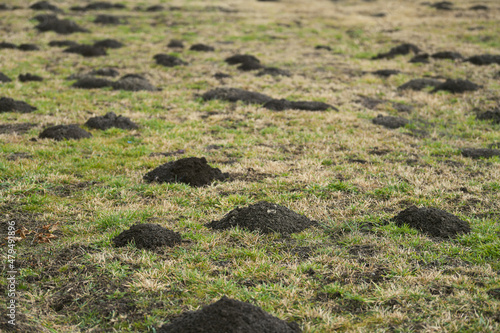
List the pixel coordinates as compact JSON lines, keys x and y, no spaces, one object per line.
{"x":235,"y":94}
{"x":107,"y":71}
{"x":108,"y":44}
{"x":109,"y":20}
{"x":63,"y":27}
{"x":7,"y":45}
{"x":422,"y":58}
{"x":432,"y":221}
{"x":148,"y":236}
{"x":402,"y":49}
{"x":29,"y":77}
{"x":87,"y":50}
{"x":442,"y":5}
{"x":264,"y":217}
{"x":201,"y":48}
{"x":390,"y":121}
{"x":10,"y":105}
{"x":89,"y":82}
{"x":273,"y":71}
{"x":28,"y":47}
{"x":4,"y":78}
{"x":176,"y":43}
{"x":241,"y":59}
{"x":133,"y":83}
{"x":64,"y":132}
{"x":447,"y":55}
{"x":477,"y":153}
{"x":168,"y":60}
{"x":484,"y":59}
{"x":283,"y":104}
{"x":493,"y":115}
{"x":193,"y":171}
{"x":420,"y":84}
{"x":110,"y":120}
{"x":386,"y":72}
{"x":63,"y":43}
{"x":45,"y":5}
{"x":457,"y":86}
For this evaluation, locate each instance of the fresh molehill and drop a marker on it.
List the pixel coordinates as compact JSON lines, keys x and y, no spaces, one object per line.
{"x":477,"y":153}
{"x":457,"y":86}
{"x":283,"y":104}
{"x":148,"y":236}
{"x":390,"y":121}
{"x":64,"y":132}
{"x":11,"y":105}
{"x":235,"y":95}
{"x":30,"y":77}
{"x":402,"y":49}
{"x":110,"y":120}
{"x":420,"y":84}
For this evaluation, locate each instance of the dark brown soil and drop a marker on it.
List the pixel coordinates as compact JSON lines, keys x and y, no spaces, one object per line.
{"x":155,"y":8}
{"x":420,"y":84}
{"x":273,"y":71}
{"x":148,"y":236}
{"x":87,"y":50}
{"x":63,"y":27}
{"x":90,"y":82}
{"x":10,"y":105}
{"x":45,"y":5}
{"x":28,"y":47}
{"x":16,"y":128}
{"x":193,"y":171}
{"x":479,"y":7}
{"x":45,"y":17}
{"x":442,"y":5}
{"x":176,"y":43}
{"x":108,"y":44}
{"x":64,"y":132}
{"x":477,"y":153}
{"x":283,"y":104}
{"x":201,"y":48}
{"x":457,"y":86}
{"x":132,"y":83}
{"x":432,"y":221}
{"x":386,"y":72}
{"x":241,"y":59}
{"x":7,"y":45}
{"x":228,"y":316}
{"x":110,"y":120}
{"x":63,"y":43}
{"x":29,"y":77}
{"x":420,"y":58}
{"x":402,"y":49}
{"x":168,"y":60}
{"x":107,"y":71}
{"x":323,"y":47}
{"x":235,"y":94}
{"x":250,"y":66}
{"x":4,"y":78}
{"x":484,"y":59}
{"x":447,"y":55}
{"x":99,"y":5}
{"x":264,"y":217}
{"x":390,"y":121}
{"x":109,"y":20}
{"x":493,"y":115}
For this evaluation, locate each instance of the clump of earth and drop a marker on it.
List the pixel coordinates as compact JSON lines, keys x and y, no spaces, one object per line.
{"x":390,"y":121}
{"x":176,"y":43}
{"x":493,"y":115}
{"x":29,"y":77}
{"x":386,"y":72}
{"x":28,"y":47}
{"x":4,"y":78}
{"x":264,"y":217}
{"x":110,"y":120}
{"x":484,"y":59}
{"x":229,"y":316}
{"x":45,"y":5}
{"x":148,"y":236}
{"x":128,"y":82}
{"x":87,"y":50}
{"x":447,"y":55}
{"x":109,"y":20}
{"x":420,"y":84}
{"x":457,"y":86}
{"x":108,"y":44}
{"x":477,"y":153}
{"x":64,"y":132}
{"x":235,"y":94}
{"x":273,"y":71}
{"x":168,"y":60}
{"x":201,"y":48}
{"x":63,"y":27}
{"x":402,"y":49}
{"x":283,"y":104}
{"x":193,"y":171}
{"x":99,"y":5}
{"x":432,"y":221}
{"x":11,"y":105}
{"x":62,"y":43}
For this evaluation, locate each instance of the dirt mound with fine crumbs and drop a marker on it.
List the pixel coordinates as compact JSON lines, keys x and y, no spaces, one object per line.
{"x":133,"y":83}
{"x":432,"y":221}
{"x":264,"y":217}
{"x":99,"y":5}
{"x":109,"y":20}
{"x":64,"y":132}
{"x":45,"y":5}
{"x":106,"y":71}
{"x":402,"y":49}
{"x":386,"y":72}
{"x":87,"y":50}
{"x":447,"y":55}
{"x":108,"y":44}
{"x":484,"y":59}
{"x":493,"y":115}
{"x":62,"y":43}
{"x":228,"y":316}
{"x":201,"y":48}
{"x":477,"y":153}
{"x":235,"y":94}
{"x":19,"y":128}
{"x":176,"y":43}
{"x":89,"y":82}
{"x":457,"y":86}
{"x":63,"y":27}
{"x":241,"y":59}
{"x":4,"y":78}
{"x":274,"y":71}
{"x":7,"y":45}
{"x":390,"y":121}
{"x":422,"y":58}
{"x":11,"y":105}
{"x":148,"y":236}
{"x":420,"y":84}
{"x":109,"y":120}
{"x":29,"y":77}
{"x":193,"y":171}
{"x":28,"y":47}
{"x":168,"y":60}
{"x":283,"y":104}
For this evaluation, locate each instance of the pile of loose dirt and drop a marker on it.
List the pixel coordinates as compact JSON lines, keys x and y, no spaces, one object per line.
{"x":250,"y":66}
{"x":264,"y":217}
{"x":28,"y":47}
{"x":4,"y":78}
{"x":390,"y":121}
{"x":99,"y":5}
{"x":323,"y":47}
{"x":148,"y":236}
{"x":155,"y":8}
{"x":108,"y":44}
{"x":87,"y":50}
{"x":235,"y":94}
{"x":386,"y":72}
{"x":193,"y":171}
{"x":457,"y":86}
{"x":484,"y":59}
{"x":131,"y":83}
{"x":7,"y":45}
{"x":228,"y":316}
{"x":201,"y":48}
{"x":477,"y":153}
{"x":62,"y":43}
{"x":89,"y":82}
{"x":422,"y":58}
{"x":10,"y":105}
{"x":402,"y":49}
{"x":493,"y":115}
{"x":168,"y":60}
{"x":432,"y":221}
{"x":109,"y":120}
{"x":29,"y":77}
{"x":19,"y":128}
{"x":107,"y":71}
{"x":176,"y":43}
{"x":479,"y":7}
{"x":45,"y":5}
{"x":63,"y":27}
{"x":109,"y":20}
{"x":283,"y":104}
{"x":45,"y":17}
{"x":442,"y":5}
{"x":246,"y":62}
{"x":273,"y":71}
{"x":447,"y":55}
{"x":420,"y":84}
{"x":64,"y":132}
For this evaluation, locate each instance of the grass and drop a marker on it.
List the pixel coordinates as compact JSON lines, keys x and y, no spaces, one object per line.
{"x":356,"y":272}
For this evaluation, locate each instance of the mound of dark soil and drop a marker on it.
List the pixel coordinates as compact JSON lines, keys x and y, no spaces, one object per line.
{"x":89,"y":82}
{"x":432,"y":221}
{"x":45,"y":17}
{"x":201,"y":48}
{"x":87,"y":50}
{"x":484,"y":59}
{"x":493,"y":115}
{"x":323,"y":47}
{"x":447,"y":55}
{"x":109,"y":20}
{"x":10,"y":105}
{"x":45,"y":5}
{"x":4,"y":78}
{"x":193,"y":171}
{"x":220,"y":76}
{"x":110,"y":120}
{"x":402,"y":49}
{"x":283,"y":104}
{"x":99,"y":5}
{"x":235,"y":94}
{"x":6,"y":45}
{"x":479,"y":7}
{"x":62,"y":43}
{"x":422,"y":58}
{"x":273,"y":71}
{"x":386,"y":72}
{"x":64,"y":132}
{"x":442,"y":5}
{"x":457,"y":86}
{"x":133,"y":83}
{"x":477,"y":153}
{"x":176,"y":43}
{"x":148,"y":236}
{"x":241,"y":59}
{"x":168,"y":60}
{"x":63,"y":27}
{"x":264,"y":217}
{"x":250,"y":66}
{"x":107,"y":71}
{"x":420,"y":84}
{"x":29,"y":77}
{"x":19,"y":128}
{"x":155,"y":8}
{"x":228,"y":316}
{"x":390,"y":122}
{"x":108,"y":44}
{"x":28,"y":47}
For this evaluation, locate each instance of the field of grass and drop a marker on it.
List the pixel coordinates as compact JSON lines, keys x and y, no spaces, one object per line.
{"x":357,"y":271}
